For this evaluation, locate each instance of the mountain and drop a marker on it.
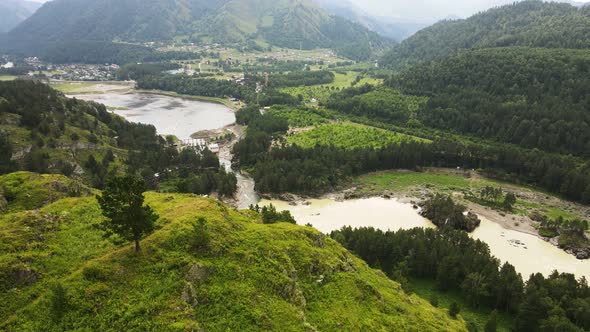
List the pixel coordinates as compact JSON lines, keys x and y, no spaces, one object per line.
{"x":58,"y":272}
{"x":394,"y":28}
{"x":13,"y":12}
{"x":527,"y":23}
{"x":283,"y":23}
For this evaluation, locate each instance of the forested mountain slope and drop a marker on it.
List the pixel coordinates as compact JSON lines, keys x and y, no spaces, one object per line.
{"x":12,"y":12}
{"x":528,"y":23}
{"x":285,"y":23}
{"x":232,"y":272}
{"x":535,"y":98}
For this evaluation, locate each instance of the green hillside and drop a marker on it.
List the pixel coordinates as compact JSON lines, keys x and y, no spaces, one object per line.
{"x":287,"y":23}
{"x":58,"y":273}
{"x":529,"y":23}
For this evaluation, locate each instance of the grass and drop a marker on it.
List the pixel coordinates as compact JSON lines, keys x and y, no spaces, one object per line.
{"x":427,"y":290}
{"x":28,"y":191}
{"x":301,"y":117}
{"x":72,"y":87}
{"x":348,"y":135}
{"x":322,"y":92}
{"x":250,"y":276}
{"x":449,"y":182}
{"x":96,"y":87}
{"x":7,"y":78}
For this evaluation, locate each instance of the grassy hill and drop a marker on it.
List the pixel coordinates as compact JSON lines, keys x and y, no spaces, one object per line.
{"x":58,"y":273}
{"x":286,"y":23}
{"x":527,"y":23}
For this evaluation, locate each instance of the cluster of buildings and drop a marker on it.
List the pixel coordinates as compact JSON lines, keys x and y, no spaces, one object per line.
{"x":198,"y":145}
{"x":80,"y":72}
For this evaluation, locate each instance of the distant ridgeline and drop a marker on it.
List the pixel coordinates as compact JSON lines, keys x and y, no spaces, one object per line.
{"x":43,"y":131}
{"x":285,"y":23}
{"x":527,"y":23}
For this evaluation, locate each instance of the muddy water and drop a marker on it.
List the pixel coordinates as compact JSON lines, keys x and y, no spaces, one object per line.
{"x":529,"y":254}
{"x":170,"y":115}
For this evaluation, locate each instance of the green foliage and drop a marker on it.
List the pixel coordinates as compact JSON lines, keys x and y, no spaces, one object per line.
{"x":270,"y":215}
{"x":444,"y":212}
{"x":300,"y":117}
{"x":378,"y":103}
{"x":534,"y":98}
{"x":526,"y":23}
{"x":439,"y":255}
{"x":59,"y":302}
{"x":122,"y":204}
{"x":28,"y":191}
{"x":492,"y":323}
{"x":454,"y":310}
{"x":252,"y":277}
{"x":201,"y":237}
{"x":348,"y":136}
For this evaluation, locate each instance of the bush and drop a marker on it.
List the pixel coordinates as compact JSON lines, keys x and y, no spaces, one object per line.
{"x":454,"y":310}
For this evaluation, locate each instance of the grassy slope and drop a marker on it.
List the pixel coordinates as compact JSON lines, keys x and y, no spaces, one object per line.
{"x":27,"y":191}
{"x":348,"y":135}
{"x":253,"y":277}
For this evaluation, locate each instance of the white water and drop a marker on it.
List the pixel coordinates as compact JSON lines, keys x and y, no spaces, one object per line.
{"x":170,"y":115}
{"x":531,"y":256}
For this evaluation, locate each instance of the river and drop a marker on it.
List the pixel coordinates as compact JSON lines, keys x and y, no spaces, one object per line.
{"x":170,"y":115}
{"x":529,"y":254}
{"x":182,"y":117}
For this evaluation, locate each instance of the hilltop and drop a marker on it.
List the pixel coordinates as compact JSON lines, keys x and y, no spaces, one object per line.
{"x":287,"y":23}
{"x":525,"y":24}
{"x":251,"y":276}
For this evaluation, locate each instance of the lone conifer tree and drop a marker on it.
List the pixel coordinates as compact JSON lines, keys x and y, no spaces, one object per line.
{"x":122,"y":204}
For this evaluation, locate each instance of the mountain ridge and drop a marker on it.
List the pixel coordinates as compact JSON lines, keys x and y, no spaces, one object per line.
{"x":286,"y":23}
{"x":529,"y":24}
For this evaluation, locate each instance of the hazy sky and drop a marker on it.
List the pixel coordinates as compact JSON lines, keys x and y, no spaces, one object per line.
{"x":429,"y":9}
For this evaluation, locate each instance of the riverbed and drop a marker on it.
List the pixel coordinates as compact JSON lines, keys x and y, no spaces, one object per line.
{"x":170,"y":115}
{"x":528,"y":253}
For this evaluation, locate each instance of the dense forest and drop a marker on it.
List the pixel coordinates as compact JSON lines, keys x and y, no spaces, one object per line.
{"x":83,"y":139}
{"x":535,"y":98}
{"x":528,"y":23}
{"x":289,"y":168}
{"x":556,"y":303}
{"x":195,"y":86}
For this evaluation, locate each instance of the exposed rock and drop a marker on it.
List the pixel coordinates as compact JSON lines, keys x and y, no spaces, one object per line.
{"x":24,"y":275}
{"x":3,"y":203}
{"x":198,"y":273}
{"x":189,"y":294}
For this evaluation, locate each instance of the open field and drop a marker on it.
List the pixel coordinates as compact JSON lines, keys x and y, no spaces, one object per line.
{"x":348,"y":135}
{"x":7,"y":77}
{"x":414,"y":184}
{"x":322,"y":92}
{"x":91,"y":87}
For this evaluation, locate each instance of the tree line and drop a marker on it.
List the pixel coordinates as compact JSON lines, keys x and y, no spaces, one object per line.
{"x":456,"y":262}
{"x":535,"y":98}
